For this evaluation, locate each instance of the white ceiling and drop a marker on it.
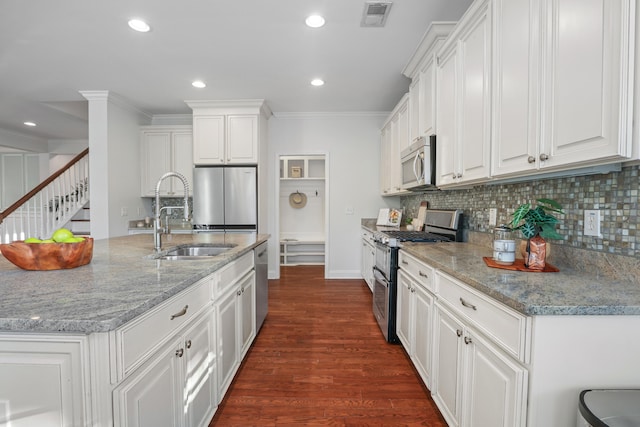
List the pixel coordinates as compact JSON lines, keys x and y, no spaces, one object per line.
{"x":50,"y":50}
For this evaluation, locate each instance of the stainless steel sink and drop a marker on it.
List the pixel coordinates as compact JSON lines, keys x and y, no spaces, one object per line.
{"x":194,"y":252}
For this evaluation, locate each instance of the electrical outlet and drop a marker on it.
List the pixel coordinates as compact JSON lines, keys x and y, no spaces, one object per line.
{"x":348,"y":211}
{"x":592,"y":223}
{"x":123,"y":211}
{"x":493,"y":214}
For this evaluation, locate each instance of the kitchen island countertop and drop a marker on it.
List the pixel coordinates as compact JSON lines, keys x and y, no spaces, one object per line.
{"x":121,"y":282}
{"x":568,"y":292}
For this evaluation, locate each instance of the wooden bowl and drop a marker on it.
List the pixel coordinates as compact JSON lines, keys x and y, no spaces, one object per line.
{"x":48,"y":256}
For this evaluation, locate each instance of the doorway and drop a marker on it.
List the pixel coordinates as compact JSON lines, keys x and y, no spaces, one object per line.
{"x":302,"y":210}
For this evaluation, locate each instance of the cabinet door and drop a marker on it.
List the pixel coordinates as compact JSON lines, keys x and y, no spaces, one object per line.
{"x":41,"y":384}
{"x":208,"y":140}
{"x":426,"y":120}
{"x":385,"y":156}
{"x":586,"y":106}
{"x":447,"y":373}
{"x":422,"y":335}
{"x":495,"y":387}
{"x":475,"y":98}
{"x":248,"y":313}
{"x":156,"y":161}
{"x":227,"y":339}
{"x":515,"y":86}
{"x":446,"y":168}
{"x":152,"y":395}
{"x":414,"y":110}
{"x":242,"y":139}
{"x":199,"y":375}
{"x":404,"y":316}
{"x":182,"y":153}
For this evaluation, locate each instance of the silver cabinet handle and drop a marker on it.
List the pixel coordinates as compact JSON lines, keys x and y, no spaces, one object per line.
{"x":467,"y":340}
{"x":188,"y":344}
{"x":531,"y":159}
{"x":405,"y":262}
{"x":459,"y":332}
{"x":179,"y":352}
{"x":468,"y":305}
{"x":180,"y":313}
{"x":423,"y":274}
{"x":544,"y":157}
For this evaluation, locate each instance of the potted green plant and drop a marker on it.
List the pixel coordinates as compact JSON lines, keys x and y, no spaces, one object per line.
{"x":537,"y":224}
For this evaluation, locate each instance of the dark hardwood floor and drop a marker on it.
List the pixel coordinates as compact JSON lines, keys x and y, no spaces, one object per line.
{"x":321,"y":360}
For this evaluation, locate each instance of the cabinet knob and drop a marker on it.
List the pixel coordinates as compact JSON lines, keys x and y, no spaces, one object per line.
{"x":531,"y":159}
{"x":413,"y":290}
{"x":459,"y":332}
{"x":544,"y":157}
{"x":239,"y":292}
{"x":458,"y":175}
{"x":188,"y":344}
{"x":467,"y":340}
{"x":179,"y":352}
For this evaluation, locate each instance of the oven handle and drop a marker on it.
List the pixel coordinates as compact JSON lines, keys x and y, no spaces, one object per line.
{"x":415,"y":163}
{"x":378,"y":275}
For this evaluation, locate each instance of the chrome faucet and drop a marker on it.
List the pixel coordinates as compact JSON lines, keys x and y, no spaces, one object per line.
{"x":157,"y":226}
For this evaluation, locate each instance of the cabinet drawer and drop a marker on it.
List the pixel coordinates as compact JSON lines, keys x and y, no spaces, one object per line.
{"x":229,"y":274}
{"x":419,"y":270}
{"x":139,"y":338}
{"x":505,"y":326}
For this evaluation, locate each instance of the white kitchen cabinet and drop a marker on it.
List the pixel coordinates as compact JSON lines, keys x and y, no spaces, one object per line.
{"x":562,"y":84}
{"x":415,"y":313}
{"x":177,"y":387}
{"x":165,"y":149}
{"x":43,"y":381}
{"x":464,"y":100}
{"x":368,"y":258}
{"x":394,"y":136}
{"x":229,"y":132}
{"x":421,"y":69}
{"x":236,"y":327}
{"x":475,"y":384}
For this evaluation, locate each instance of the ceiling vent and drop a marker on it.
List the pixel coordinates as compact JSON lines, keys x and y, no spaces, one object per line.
{"x":375,"y":13}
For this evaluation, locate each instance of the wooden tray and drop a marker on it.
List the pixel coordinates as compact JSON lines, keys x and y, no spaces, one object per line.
{"x":518,"y":265}
{"x":48,"y":256}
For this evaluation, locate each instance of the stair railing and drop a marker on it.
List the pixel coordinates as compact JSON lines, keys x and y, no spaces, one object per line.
{"x":49,"y":205}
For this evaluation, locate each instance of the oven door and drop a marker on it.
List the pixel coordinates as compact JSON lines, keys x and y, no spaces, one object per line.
{"x":381,"y":301}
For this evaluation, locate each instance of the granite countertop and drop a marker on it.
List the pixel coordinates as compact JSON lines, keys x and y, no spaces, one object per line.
{"x":568,"y":292}
{"x":121,"y":282}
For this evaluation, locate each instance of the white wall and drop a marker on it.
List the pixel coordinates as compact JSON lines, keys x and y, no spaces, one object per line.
{"x":351,"y":143}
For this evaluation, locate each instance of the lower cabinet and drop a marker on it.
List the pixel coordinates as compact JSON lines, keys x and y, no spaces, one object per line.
{"x":368,"y":259}
{"x":175,"y":388}
{"x":236,"y":327}
{"x":475,"y":384}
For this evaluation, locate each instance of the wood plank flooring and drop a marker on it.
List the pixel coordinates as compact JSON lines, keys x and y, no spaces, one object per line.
{"x":321,"y":360}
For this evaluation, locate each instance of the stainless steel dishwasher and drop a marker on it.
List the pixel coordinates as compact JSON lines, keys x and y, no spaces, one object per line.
{"x":262,"y":284}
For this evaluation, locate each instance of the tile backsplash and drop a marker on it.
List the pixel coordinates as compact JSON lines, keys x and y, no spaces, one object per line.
{"x":615,"y":194}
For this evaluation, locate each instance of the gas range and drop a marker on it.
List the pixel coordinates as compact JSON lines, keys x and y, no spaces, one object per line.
{"x":393,"y":238}
{"x":440,"y":226}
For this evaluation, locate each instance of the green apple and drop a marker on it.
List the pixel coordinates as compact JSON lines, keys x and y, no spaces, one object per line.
{"x":47,"y":241}
{"x":74,"y":240}
{"x":32,"y":240}
{"x":61,"y":234}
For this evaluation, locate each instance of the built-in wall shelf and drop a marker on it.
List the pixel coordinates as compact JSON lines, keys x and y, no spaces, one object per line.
{"x":301,"y":252}
{"x":302,"y":167}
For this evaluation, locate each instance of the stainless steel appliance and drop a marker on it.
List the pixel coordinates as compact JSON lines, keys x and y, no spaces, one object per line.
{"x":440,"y":226}
{"x":225,"y":198}
{"x":418,"y":169}
{"x":262,"y":284}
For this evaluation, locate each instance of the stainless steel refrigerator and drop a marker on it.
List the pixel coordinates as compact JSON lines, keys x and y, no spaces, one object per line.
{"x":225,"y":198}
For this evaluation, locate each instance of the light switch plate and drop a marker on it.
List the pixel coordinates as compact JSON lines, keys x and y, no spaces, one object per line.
{"x":592,"y":223}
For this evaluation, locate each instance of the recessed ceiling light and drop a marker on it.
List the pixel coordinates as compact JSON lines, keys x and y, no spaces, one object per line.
{"x":199,"y":84}
{"x":29,"y":124}
{"x":139,"y":25}
{"x":317,"y":82}
{"x":314,"y":21}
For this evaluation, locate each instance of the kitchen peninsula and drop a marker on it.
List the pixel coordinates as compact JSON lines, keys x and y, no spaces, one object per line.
{"x":511,"y":348}
{"x":127,"y":339}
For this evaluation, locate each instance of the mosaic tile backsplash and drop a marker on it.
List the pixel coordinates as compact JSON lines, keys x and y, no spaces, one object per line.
{"x":615,"y":194}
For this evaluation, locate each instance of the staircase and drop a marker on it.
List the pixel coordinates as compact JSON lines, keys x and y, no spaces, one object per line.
{"x":80,"y":223}
{"x":50,"y":205}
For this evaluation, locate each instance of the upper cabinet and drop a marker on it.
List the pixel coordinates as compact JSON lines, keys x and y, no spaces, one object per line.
{"x":394,"y":138}
{"x":165,"y":149}
{"x":563,"y":84}
{"x":463,"y":100}
{"x":421,"y":69}
{"x":229,"y":132}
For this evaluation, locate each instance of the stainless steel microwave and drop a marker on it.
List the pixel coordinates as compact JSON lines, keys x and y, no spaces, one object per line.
{"x":419,"y":165}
